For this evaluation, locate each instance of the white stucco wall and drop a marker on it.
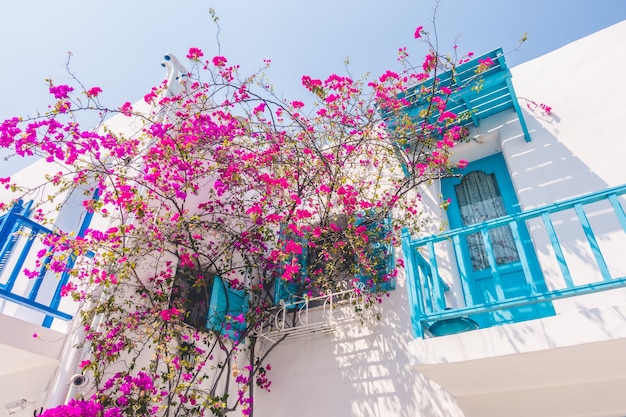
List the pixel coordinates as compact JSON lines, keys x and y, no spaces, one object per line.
{"x":358,"y":370}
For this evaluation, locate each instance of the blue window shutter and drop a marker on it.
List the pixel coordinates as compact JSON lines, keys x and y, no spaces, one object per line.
{"x":227,"y":303}
{"x":287,"y":291}
{"x":291,"y":291}
{"x":381,"y":251}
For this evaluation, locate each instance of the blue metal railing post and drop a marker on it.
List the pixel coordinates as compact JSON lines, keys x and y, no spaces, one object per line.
{"x":413,"y":288}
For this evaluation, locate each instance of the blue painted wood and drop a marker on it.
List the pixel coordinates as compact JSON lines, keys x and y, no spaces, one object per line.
{"x":65,"y":277}
{"x":56,"y":297}
{"x":524,"y":260}
{"x":452,"y":326}
{"x":414,"y":285}
{"x":382,"y":252}
{"x":425,"y":291}
{"x":475,"y":97}
{"x":290,"y":291}
{"x":438,"y":285}
{"x":226,"y":304}
{"x":526,"y":215}
{"x":36,"y":229}
{"x":425,"y":273}
{"x":618,"y":210}
{"x":518,"y":110}
{"x":463,"y":267}
{"x":558,"y":252}
{"x":33,"y":305}
{"x":593,"y":243}
{"x":11,"y":224}
{"x":8,"y":235}
{"x":19,"y":263}
{"x":495,"y":274}
{"x":513,"y":302}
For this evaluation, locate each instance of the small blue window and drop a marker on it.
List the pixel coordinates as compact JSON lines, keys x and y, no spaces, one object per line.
{"x":209,"y":302}
{"x":191,"y":293}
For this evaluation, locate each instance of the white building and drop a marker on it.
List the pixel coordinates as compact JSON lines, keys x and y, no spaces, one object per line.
{"x":565,"y":358}
{"x":546,"y":289}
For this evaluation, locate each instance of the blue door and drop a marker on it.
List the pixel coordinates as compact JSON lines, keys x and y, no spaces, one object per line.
{"x":485,"y":192}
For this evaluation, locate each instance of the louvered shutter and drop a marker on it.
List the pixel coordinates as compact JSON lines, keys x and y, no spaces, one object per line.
{"x":381,"y":252}
{"x":226,"y":304}
{"x":290,"y":291}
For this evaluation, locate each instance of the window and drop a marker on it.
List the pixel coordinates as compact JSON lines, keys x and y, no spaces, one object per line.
{"x":209,"y":302}
{"x":191,"y":293}
{"x":341,"y":263}
{"x":479,"y":199}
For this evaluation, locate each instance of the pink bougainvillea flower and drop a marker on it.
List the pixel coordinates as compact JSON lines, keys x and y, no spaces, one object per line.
{"x":63,"y":106}
{"x":311,"y":84}
{"x":290,"y":271}
{"x":293,"y":247}
{"x":447,"y":115}
{"x":195,"y":53}
{"x":484,"y":64}
{"x":167,"y":315}
{"x":93,"y":92}
{"x":240,"y":318}
{"x":418,"y":32}
{"x":60,"y":91}
{"x":546,"y":108}
{"x":219,"y":61}
{"x":150,"y":97}
{"x":126,"y":109}
{"x":331,"y":98}
{"x":429,"y":62}
{"x":259,"y":109}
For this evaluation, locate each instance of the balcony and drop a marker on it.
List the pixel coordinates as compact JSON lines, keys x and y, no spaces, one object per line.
{"x":544,"y":364}
{"x":38,"y":299}
{"x":305,"y":316}
{"x":427,"y":290}
{"x":36,"y":344}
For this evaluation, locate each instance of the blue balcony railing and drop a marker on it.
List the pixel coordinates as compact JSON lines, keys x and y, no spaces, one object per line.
{"x":427,"y":290}
{"x":18,"y":246}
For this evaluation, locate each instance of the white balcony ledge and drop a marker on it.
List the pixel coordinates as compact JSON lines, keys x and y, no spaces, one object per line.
{"x":512,"y":369}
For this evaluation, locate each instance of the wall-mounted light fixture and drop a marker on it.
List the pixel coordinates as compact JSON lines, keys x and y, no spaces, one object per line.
{"x":15,"y":406}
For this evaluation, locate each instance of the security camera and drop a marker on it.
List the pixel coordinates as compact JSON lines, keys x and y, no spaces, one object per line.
{"x":78,"y":380}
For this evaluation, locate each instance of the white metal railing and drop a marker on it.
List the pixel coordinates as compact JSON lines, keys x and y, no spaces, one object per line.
{"x":322,"y":314}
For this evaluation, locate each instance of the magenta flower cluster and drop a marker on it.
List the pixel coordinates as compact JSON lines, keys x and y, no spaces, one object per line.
{"x":221,"y":182}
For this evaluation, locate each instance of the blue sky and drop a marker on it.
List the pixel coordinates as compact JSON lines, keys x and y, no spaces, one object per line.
{"x":119,"y":44}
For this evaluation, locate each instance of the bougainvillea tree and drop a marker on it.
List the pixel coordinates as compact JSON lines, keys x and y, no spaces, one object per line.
{"x":221,"y":188}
